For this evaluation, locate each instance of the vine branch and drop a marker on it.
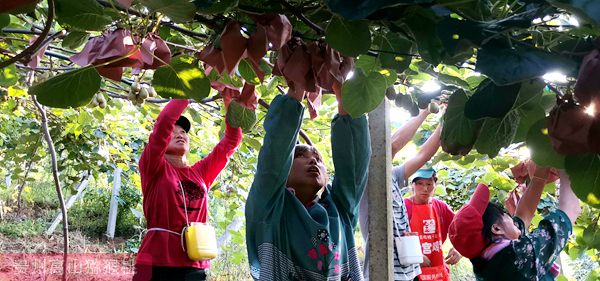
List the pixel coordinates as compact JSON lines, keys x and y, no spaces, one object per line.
{"x":38,"y":42}
{"x":303,"y":18}
{"x":61,"y":199}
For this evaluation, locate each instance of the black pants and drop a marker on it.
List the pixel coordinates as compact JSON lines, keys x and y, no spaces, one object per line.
{"x":166,"y":273}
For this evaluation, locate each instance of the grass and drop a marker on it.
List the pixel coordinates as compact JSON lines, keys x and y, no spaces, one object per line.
{"x":23,"y":228}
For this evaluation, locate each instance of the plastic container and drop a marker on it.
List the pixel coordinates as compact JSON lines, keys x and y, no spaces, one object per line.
{"x":409,"y":250}
{"x":201,"y":241}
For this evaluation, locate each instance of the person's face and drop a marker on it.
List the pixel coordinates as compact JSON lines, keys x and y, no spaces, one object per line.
{"x":506,"y":228}
{"x":423,"y":190}
{"x":308,"y":171}
{"x":179,"y":143}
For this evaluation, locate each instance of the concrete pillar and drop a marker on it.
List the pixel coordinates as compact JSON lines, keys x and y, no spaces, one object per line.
{"x":114,"y":204}
{"x":381,"y":263}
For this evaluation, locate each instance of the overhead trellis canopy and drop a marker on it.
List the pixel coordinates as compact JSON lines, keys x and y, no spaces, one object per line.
{"x":488,"y":59}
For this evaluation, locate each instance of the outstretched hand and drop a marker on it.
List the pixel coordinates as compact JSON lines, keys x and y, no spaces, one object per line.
{"x":337,"y":90}
{"x":453,"y":257}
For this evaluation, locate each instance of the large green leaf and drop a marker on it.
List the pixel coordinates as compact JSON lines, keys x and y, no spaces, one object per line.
{"x":528,"y":117}
{"x":181,"y":79}
{"x":471,"y":9}
{"x":81,"y":14}
{"x":241,"y":117}
{"x":459,"y":133}
{"x":423,"y":26}
{"x":542,"y":152}
{"x":491,"y":100}
{"x":70,"y":89}
{"x":450,"y":80}
{"x":367,"y":63}
{"x":459,"y":36}
{"x":589,"y":10}
{"x":176,"y":10}
{"x":247,"y":72}
{"x":9,"y":76}
{"x":497,"y":133}
{"x":529,"y":107}
{"x":351,"y":38}
{"x":215,"y":7}
{"x":508,"y":66}
{"x":391,"y":46}
{"x":75,"y":39}
{"x":4,"y":20}
{"x":363,"y":93}
{"x":360,"y":9}
{"x":584,"y":172}
{"x":530,"y":94}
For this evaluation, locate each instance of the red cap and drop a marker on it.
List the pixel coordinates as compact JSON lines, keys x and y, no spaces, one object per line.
{"x":465,"y":231}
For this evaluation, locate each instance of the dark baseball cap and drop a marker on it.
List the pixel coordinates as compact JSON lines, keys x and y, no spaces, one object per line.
{"x":184,"y":123}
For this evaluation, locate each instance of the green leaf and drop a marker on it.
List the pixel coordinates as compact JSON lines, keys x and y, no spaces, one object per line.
{"x":176,"y":10}
{"x":390,"y":76}
{"x":584,"y":172}
{"x":589,"y":10}
{"x":75,"y":39}
{"x":4,"y":20}
{"x":241,"y":117}
{"x":542,"y":152}
{"x":450,"y":80}
{"x":247,"y":72}
{"x":217,"y":7}
{"x":359,"y":9}
{"x":423,"y":26}
{"x":351,"y":38}
{"x":475,"y":10}
{"x":9,"y":76}
{"x":181,"y":79}
{"x":491,"y":100}
{"x":459,"y":36}
{"x":526,"y":119}
{"x":459,"y":133}
{"x":529,"y":107}
{"x":367,"y":63}
{"x":530,"y":94}
{"x":363,"y":93}
{"x":507,"y":66}
{"x":497,"y":133}
{"x":81,"y":14}
{"x":391,"y":46}
{"x":70,"y":89}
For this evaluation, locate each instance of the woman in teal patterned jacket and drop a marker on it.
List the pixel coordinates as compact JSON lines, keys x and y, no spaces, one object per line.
{"x":292,"y":233}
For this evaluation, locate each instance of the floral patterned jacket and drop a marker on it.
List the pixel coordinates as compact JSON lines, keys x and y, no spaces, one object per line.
{"x":532,"y":255}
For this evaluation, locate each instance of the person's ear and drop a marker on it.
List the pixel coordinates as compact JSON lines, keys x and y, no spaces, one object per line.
{"x":497,"y":229}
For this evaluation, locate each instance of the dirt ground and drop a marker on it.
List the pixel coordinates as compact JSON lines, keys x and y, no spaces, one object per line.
{"x":40,"y":258}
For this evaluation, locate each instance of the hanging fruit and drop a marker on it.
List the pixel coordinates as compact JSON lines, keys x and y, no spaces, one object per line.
{"x":570,"y":128}
{"x":114,"y":50}
{"x":587,"y":87}
{"x":433,"y":108}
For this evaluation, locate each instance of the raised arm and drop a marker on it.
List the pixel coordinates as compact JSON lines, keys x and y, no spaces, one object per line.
{"x":568,"y":202}
{"x":351,"y":152}
{"x":429,"y":148}
{"x":282,"y":125}
{"x":217,"y":159}
{"x":403,"y":135}
{"x":531,"y":197}
{"x":154,"y":152}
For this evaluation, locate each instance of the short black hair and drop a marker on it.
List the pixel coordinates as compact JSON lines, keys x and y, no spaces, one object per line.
{"x":493,"y":214}
{"x":300,"y":149}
